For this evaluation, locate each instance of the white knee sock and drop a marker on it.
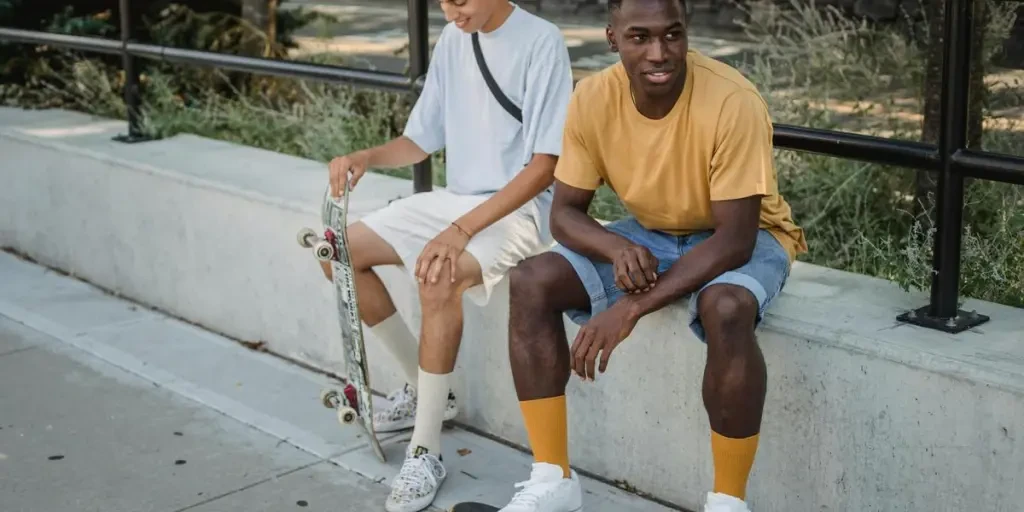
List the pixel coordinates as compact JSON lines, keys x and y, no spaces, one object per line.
{"x":432,"y":396}
{"x":403,"y":346}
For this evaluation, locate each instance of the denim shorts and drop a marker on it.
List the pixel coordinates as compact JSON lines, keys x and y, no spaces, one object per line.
{"x":763,"y":275}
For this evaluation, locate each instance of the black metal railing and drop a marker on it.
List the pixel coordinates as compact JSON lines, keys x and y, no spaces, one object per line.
{"x":950,"y":158}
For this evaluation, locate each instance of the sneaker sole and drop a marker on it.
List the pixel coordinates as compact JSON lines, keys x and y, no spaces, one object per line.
{"x":480,"y":507}
{"x":415,"y":505}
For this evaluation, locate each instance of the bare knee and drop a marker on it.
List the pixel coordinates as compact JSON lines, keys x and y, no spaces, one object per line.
{"x":546,"y":283}
{"x":541,"y":289}
{"x":443,"y":294}
{"x":530,"y":282}
{"x":735,"y":378}
{"x":728,"y":313}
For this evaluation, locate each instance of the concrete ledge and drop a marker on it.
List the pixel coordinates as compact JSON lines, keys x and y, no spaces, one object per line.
{"x":863,"y":413}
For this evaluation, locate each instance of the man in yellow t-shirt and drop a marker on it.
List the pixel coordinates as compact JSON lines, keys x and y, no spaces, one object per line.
{"x":686,"y":143}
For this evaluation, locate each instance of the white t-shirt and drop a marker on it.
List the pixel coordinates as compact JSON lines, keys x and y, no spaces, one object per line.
{"x":486,"y":146}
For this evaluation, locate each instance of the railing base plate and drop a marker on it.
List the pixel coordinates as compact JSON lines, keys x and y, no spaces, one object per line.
{"x":132,"y":139}
{"x":963,"y":320}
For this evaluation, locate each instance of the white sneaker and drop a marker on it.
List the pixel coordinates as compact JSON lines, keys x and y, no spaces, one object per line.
{"x":718,"y":502}
{"x":547,"y":491}
{"x":401,"y":415}
{"x":417,"y":483}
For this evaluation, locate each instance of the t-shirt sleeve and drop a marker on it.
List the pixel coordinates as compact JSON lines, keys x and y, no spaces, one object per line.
{"x":577,"y":165}
{"x":743,"y":163}
{"x":425,"y":126}
{"x":548,"y":89}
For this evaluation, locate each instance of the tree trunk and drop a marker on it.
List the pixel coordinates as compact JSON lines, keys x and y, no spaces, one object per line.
{"x":925,"y":182}
{"x":272,"y":21}
{"x":258,"y":14}
{"x":978,"y":100}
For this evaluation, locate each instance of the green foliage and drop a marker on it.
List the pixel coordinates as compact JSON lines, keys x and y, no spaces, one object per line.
{"x":68,"y":22}
{"x":859,"y":216}
{"x":317,"y":121}
{"x":214,"y":25}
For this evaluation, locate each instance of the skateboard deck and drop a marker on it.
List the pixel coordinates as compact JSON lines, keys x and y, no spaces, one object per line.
{"x":355,"y":402}
{"x":472,"y":506}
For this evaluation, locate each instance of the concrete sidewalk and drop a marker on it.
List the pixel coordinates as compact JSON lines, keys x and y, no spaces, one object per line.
{"x":109,"y":406}
{"x":79,"y":434}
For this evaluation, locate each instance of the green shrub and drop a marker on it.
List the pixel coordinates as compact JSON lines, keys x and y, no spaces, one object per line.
{"x":213,"y":25}
{"x":861,"y":217}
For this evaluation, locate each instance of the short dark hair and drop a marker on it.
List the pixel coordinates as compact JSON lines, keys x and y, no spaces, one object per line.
{"x":617,"y":4}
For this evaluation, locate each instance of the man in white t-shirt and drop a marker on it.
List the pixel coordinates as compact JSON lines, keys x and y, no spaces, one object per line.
{"x":493,"y":213}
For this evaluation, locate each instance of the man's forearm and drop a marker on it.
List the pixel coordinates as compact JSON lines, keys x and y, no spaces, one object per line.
{"x":398,"y":152}
{"x":703,"y":263}
{"x":577,"y":230}
{"x":532,"y":180}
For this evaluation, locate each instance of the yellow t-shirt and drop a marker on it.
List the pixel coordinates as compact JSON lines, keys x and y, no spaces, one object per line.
{"x":715,"y":144}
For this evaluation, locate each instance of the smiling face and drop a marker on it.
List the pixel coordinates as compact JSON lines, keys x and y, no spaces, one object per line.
{"x":470,"y":15}
{"x":650,"y":36}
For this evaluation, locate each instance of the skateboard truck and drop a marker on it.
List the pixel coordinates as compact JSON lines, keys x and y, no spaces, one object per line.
{"x":323,"y":247}
{"x":346,"y":403}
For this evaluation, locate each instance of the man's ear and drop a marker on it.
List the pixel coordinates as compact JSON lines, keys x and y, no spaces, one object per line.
{"x":611,"y":39}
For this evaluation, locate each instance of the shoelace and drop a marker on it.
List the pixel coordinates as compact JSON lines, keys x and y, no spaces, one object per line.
{"x":403,"y":393}
{"x":401,"y":405}
{"x":416,"y":474}
{"x":530,"y":494}
{"x":395,"y":412}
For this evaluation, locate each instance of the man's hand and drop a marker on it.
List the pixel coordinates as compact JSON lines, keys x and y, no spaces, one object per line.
{"x":399,"y":152}
{"x":729,"y":247}
{"x":444,"y":249}
{"x":601,"y":335}
{"x":636,"y":269}
{"x":355,"y":163}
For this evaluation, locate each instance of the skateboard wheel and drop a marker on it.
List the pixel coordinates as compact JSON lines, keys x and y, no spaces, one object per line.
{"x":347,"y":415}
{"x":328,"y":397}
{"x":306,"y":237}
{"x":323,"y":251}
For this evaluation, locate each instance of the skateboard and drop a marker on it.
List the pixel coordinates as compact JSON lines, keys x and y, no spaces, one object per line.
{"x":472,"y":506}
{"x":355,"y":402}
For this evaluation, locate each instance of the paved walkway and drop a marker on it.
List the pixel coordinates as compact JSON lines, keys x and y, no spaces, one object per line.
{"x":109,"y":406}
{"x":81,"y":434}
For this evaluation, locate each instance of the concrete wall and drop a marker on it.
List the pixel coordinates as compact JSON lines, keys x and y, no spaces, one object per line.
{"x":863,"y":414}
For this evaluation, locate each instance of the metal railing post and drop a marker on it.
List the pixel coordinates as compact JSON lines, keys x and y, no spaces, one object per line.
{"x":132,"y":98}
{"x":419,"y":59}
{"x":942,"y":312}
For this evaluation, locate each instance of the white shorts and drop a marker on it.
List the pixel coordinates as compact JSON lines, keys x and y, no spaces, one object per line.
{"x":410,"y":223}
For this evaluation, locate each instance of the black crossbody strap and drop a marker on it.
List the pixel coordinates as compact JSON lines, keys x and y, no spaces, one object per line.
{"x":510,"y":107}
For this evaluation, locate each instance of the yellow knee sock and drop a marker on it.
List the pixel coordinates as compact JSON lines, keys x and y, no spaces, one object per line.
{"x":546,"y":427}
{"x":733,"y":460}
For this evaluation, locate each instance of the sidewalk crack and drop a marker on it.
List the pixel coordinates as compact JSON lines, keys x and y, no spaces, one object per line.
{"x":16,"y":350}
{"x":249,"y":486}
